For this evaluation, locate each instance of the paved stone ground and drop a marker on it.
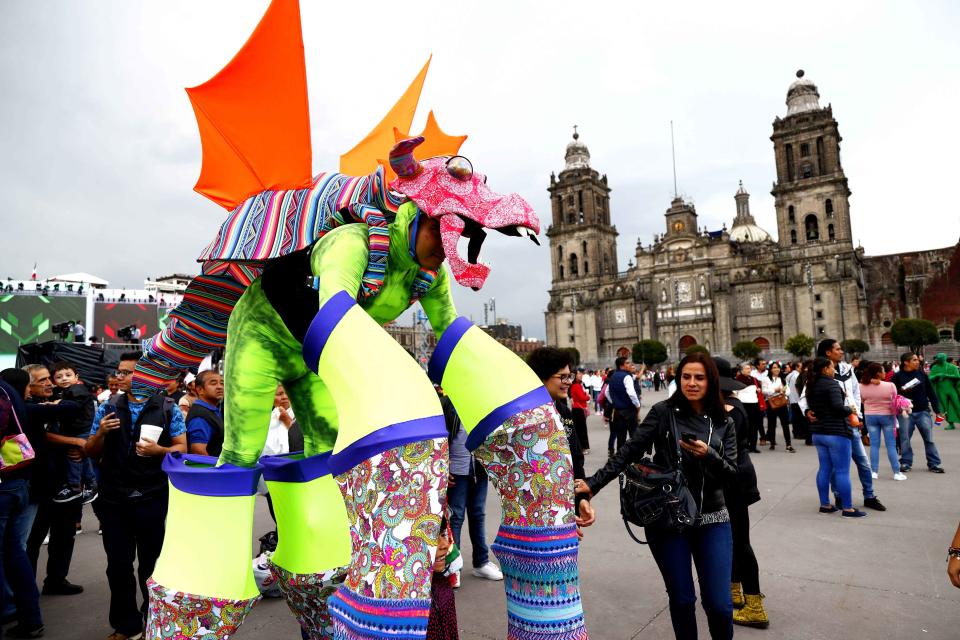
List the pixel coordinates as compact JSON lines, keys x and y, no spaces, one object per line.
{"x":881,"y":577}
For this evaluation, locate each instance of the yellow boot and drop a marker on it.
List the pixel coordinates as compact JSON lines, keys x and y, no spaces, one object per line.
{"x":753,"y":613}
{"x":736,"y":594}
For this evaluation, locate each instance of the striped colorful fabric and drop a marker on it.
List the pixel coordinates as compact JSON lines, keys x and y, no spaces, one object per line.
{"x":357,"y":617}
{"x":267,"y":225}
{"x":539,"y":565}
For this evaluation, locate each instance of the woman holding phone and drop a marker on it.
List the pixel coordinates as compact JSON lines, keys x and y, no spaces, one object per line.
{"x":708,"y":442}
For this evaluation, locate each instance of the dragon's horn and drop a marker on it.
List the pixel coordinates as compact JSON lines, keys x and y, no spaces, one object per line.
{"x":402,"y":160}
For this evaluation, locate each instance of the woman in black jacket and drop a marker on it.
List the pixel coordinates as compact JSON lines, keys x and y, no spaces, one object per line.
{"x":831,"y":435}
{"x":709,"y":461}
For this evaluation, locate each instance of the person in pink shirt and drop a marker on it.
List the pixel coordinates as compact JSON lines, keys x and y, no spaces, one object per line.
{"x":878,"y":397}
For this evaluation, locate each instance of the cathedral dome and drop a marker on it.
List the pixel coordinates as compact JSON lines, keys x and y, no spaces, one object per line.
{"x":802,"y":95}
{"x":748,"y":233}
{"x":577,"y":156}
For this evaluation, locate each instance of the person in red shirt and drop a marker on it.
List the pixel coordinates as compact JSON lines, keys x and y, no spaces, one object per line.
{"x":581,"y":401}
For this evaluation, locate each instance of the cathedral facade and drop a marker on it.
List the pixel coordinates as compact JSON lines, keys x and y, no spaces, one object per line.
{"x":716,"y":288}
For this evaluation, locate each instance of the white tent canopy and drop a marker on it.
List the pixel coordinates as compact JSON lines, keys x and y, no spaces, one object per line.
{"x":81,"y":277}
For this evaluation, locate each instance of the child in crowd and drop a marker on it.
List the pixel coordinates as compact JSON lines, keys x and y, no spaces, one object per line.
{"x":79,"y":481}
{"x":442,"y":624}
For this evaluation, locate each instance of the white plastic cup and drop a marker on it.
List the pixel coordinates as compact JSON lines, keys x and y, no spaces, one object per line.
{"x":150,"y":432}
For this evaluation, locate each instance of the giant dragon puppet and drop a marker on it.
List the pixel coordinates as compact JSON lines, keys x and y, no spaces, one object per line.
{"x":303,"y":274}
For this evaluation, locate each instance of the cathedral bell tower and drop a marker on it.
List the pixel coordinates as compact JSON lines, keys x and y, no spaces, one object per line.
{"x":583,"y":250}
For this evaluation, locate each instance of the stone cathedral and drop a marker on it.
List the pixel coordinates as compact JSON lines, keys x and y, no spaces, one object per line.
{"x":716,"y":288}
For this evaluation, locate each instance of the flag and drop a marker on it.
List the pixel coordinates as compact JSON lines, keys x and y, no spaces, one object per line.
{"x":33,"y":276}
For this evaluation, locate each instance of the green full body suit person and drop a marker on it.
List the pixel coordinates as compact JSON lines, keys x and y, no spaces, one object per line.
{"x":945,"y":378}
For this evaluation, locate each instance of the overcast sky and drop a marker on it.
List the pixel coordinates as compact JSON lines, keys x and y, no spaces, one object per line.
{"x":100,"y":150}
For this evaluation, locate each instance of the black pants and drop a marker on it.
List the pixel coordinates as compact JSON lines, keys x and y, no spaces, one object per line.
{"x":801,"y":427}
{"x":60,"y":521}
{"x":772,"y":416}
{"x":131,"y":530}
{"x":622,"y":423}
{"x":754,"y":422}
{"x":745,"y":568}
{"x":580,"y":424}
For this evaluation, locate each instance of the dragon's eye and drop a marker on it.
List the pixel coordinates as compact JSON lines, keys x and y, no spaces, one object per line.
{"x":460,"y":168}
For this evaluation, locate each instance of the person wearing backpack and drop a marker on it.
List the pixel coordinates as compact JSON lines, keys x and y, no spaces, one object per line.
{"x":133,"y":492}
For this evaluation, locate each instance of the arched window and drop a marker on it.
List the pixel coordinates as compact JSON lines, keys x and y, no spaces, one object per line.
{"x":830,"y":232}
{"x":806,"y":171}
{"x":685,"y":343}
{"x":886,"y":339}
{"x":586,"y":268}
{"x":574,"y":265}
{"x":789,"y":152}
{"x":583,"y":247}
{"x":812,"y":228}
{"x":793,"y":236}
{"x":821,"y":159}
{"x":828,"y":207}
{"x":560,"y":260}
{"x":791,"y":214}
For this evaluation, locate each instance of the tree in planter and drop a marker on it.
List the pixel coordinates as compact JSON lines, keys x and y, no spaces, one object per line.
{"x":696,"y":348}
{"x":800,"y":345}
{"x":574,"y":355}
{"x":746,"y":350}
{"x":914,"y":333}
{"x":855,"y":347}
{"x":649,"y":352}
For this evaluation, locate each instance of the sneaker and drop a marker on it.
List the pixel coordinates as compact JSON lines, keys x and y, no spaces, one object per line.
{"x":856,"y":513}
{"x":830,"y":509}
{"x":88,"y":495}
{"x":488,"y":571}
{"x":61,"y":588}
{"x":936,"y":470}
{"x":586,"y":452}
{"x":904,"y":468}
{"x":67,"y":494}
{"x":21,"y":631}
{"x":899,"y":476}
{"x":873,"y":474}
{"x":46,"y":539}
{"x":874,"y":503}
{"x":791,"y":449}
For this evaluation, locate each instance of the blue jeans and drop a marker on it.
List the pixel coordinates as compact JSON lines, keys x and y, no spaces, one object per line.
{"x":80,"y":473}
{"x":711,"y":548}
{"x":923,"y":421}
{"x":21,"y":529}
{"x":16,"y":568}
{"x":834,"y":454}
{"x":468,"y":498}
{"x":885,"y":425}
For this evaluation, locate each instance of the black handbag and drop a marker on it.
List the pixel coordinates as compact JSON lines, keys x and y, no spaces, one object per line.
{"x":652,"y":495}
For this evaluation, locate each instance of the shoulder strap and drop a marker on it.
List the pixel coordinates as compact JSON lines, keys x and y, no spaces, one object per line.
{"x":13,"y":410}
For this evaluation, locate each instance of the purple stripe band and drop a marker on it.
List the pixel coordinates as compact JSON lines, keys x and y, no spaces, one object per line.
{"x":196,"y":474}
{"x":445,"y":346}
{"x":388,"y":437}
{"x":323,"y":325}
{"x":501,"y":414}
{"x":293,"y":467}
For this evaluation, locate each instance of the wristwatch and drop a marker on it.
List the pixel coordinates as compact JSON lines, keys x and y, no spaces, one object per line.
{"x":953,"y":552}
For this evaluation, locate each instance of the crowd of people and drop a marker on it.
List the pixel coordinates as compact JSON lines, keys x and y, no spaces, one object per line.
{"x":101,"y":446}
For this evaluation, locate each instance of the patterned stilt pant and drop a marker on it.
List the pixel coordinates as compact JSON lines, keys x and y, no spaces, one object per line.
{"x":393,"y":504}
{"x":528,"y":460}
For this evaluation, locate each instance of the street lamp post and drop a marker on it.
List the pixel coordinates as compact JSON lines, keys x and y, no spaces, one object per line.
{"x":808,"y":268}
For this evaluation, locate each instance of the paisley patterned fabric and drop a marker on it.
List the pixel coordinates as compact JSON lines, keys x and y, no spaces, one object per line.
{"x":175,"y":615}
{"x":307,"y":595}
{"x":393,"y":505}
{"x":528,"y":460}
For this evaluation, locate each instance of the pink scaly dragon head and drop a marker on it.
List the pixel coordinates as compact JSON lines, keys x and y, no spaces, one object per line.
{"x":447,"y":188}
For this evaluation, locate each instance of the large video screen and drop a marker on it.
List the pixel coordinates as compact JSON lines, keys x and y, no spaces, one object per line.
{"x":110,"y":317}
{"x":25,"y":319}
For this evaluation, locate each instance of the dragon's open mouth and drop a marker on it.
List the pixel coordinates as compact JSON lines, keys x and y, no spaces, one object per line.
{"x":476,"y":234}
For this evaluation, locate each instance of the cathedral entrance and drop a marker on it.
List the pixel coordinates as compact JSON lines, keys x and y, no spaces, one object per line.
{"x":685,"y":343}
{"x":623,"y":352}
{"x":763,"y":343}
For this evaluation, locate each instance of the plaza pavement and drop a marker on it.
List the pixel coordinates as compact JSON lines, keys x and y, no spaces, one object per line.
{"x":878,"y":578}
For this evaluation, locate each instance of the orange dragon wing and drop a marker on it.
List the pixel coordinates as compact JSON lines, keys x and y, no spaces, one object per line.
{"x":253,"y":115}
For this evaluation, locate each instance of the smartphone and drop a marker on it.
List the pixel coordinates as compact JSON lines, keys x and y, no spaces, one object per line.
{"x":687,"y":437}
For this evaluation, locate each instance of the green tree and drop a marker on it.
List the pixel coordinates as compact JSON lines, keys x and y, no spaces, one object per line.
{"x":574,"y":355}
{"x":649,"y":352}
{"x":800,"y":345}
{"x":696,"y":348}
{"x":855,"y":347}
{"x":914,"y":333}
{"x":746,"y":350}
